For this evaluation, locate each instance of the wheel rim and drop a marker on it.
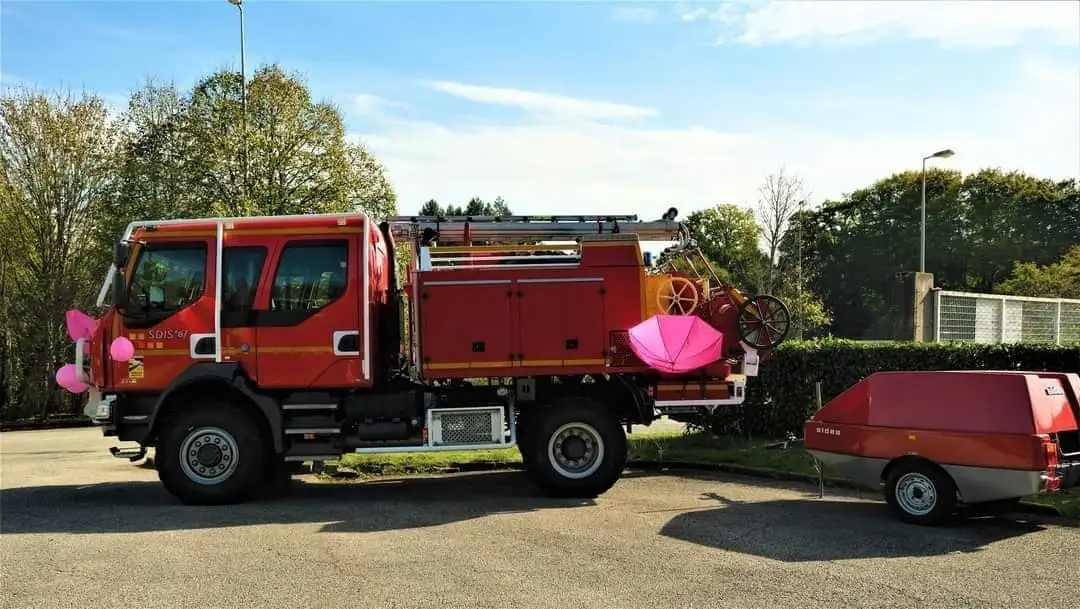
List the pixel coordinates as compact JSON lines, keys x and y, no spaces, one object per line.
{"x":764,"y":321}
{"x":208,"y":455}
{"x":916,"y":494}
{"x":576,"y":450}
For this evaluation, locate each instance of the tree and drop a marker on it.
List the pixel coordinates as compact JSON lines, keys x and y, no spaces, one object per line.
{"x":728,"y":236}
{"x":57,"y":156}
{"x":779,"y":199}
{"x":1058,"y":280}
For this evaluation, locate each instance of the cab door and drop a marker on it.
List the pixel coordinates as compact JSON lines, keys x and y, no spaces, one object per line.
{"x":308,"y":316}
{"x":243,"y":271}
{"x":169,"y":313}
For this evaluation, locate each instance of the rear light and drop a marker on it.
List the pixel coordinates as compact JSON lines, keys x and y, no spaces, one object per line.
{"x":1050,"y":452}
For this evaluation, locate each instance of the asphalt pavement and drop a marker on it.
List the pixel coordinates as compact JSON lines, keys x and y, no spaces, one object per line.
{"x":81,"y":529}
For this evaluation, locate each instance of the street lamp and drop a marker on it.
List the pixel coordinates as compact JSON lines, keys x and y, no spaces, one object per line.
{"x":922,"y":237}
{"x":239,"y":4}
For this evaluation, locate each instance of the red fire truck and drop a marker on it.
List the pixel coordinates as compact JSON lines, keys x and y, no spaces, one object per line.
{"x":315,"y":342}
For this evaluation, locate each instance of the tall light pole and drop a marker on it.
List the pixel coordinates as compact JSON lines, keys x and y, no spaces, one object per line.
{"x":239,"y":4}
{"x":940,"y":154}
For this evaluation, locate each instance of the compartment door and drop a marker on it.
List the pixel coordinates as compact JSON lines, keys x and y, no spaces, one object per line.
{"x":562,"y":321}
{"x":465,"y":324}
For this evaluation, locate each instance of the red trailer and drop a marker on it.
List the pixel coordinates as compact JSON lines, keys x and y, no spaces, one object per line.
{"x":939,"y":439}
{"x":491,"y":333}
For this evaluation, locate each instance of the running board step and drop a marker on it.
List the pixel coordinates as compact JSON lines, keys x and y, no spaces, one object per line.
{"x":311,"y":406}
{"x":313,"y":431}
{"x":133,"y":454}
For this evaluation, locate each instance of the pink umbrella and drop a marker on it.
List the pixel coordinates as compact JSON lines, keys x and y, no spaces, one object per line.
{"x":676,"y":343}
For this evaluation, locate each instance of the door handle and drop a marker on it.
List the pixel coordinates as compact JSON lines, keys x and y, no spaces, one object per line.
{"x":346,"y":342}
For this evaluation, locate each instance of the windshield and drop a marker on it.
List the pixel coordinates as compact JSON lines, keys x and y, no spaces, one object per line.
{"x":166,"y":278}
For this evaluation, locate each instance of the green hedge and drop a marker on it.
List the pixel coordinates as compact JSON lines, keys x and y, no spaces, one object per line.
{"x":781,"y":397}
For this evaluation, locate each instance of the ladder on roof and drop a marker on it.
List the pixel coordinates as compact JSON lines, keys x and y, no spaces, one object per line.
{"x":463,"y":230}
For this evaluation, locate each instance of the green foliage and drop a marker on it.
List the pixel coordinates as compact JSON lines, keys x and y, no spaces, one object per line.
{"x":782,"y":397}
{"x":1058,"y":280}
{"x":475,"y":207}
{"x":56,"y":155}
{"x":977,"y":227}
{"x":728,"y":236}
{"x":73,"y":178}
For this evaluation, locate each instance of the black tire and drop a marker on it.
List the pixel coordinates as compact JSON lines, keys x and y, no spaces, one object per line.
{"x":234,"y":466}
{"x":920,"y":493}
{"x":570,"y":425}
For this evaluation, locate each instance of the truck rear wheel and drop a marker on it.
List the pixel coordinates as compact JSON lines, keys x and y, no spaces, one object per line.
{"x":212,"y":454}
{"x":576,"y":448}
{"x":920,"y":493}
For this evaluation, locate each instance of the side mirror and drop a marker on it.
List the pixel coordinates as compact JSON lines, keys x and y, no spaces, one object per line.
{"x":119,"y":292}
{"x":120,"y":254}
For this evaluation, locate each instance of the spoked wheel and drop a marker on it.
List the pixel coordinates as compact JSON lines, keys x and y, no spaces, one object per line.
{"x":764,"y":321}
{"x":678,"y":297}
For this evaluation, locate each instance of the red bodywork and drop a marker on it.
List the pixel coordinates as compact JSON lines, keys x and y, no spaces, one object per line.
{"x":294,"y":355}
{"x":990,"y":420}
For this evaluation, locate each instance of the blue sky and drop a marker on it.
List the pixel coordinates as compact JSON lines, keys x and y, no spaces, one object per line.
{"x":613,"y":106}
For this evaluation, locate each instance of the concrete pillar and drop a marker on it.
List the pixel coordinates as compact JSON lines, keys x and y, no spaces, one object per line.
{"x":923,"y":330}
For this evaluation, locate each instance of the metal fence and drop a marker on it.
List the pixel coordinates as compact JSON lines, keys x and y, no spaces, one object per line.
{"x":992,"y":318}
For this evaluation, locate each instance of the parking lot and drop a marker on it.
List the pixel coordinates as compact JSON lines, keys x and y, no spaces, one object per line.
{"x":82,"y":529}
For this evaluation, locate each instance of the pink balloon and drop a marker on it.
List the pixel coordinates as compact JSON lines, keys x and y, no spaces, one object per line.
{"x":121,"y":349}
{"x":67,"y":378}
{"x":80,"y":325}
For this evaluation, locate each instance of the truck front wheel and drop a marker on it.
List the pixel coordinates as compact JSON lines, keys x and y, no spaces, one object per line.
{"x":212,"y":454}
{"x":577,"y":448}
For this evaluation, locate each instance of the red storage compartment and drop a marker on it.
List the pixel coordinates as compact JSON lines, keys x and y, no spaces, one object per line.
{"x":466,"y":323}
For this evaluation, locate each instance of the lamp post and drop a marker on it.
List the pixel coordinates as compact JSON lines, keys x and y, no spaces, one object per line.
{"x":922,"y":235}
{"x":239,"y":4}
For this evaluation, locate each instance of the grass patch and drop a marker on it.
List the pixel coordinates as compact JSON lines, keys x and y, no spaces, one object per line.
{"x":668,"y":447}
{"x":662,"y":446}
{"x":1067,"y":503}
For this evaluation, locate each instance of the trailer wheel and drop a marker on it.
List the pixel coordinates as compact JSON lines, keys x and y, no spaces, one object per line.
{"x":212,"y":454}
{"x":577,"y":448}
{"x":920,"y":493}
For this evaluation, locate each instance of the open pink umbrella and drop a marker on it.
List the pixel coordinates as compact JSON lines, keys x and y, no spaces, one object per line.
{"x":676,"y":343}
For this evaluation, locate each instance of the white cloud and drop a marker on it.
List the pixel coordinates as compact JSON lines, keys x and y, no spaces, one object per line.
{"x":964,"y":22}
{"x":542,"y":103}
{"x":550,"y":166}
{"x":367,"y":105}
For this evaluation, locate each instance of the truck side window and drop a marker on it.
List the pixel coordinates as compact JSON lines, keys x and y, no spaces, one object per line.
{"x":310,"y":276}
{"x":167,"y":278}
{"x":241,"y":268}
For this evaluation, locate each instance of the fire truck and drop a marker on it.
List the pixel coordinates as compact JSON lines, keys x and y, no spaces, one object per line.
{"x":249,"y":345}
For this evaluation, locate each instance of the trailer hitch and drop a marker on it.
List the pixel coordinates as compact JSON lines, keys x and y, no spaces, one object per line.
{"x":132,"y":455}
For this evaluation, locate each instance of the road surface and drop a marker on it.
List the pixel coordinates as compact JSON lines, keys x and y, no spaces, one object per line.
{"x":82,"y":529}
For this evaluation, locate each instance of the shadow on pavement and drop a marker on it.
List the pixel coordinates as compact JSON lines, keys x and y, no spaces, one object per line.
{"x":382,"y":505}
{"x":823,"y":529}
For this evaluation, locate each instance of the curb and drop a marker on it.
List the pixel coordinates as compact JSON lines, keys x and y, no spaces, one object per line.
{"x":727,"y":468}
{"x":59,"y":423}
